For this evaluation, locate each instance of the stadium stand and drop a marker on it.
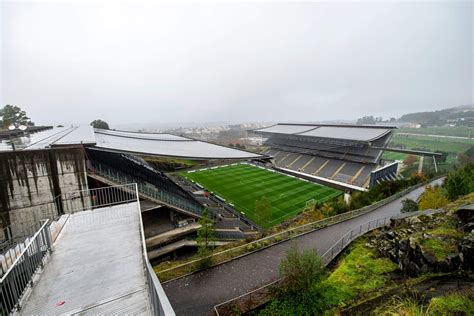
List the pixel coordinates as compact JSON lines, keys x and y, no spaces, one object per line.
{"x":347,"y":155}
{"x":139,"y":169}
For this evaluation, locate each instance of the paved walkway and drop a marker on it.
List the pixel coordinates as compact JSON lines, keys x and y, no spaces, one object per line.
{"x":96,"y":267}
{"x":198,"y":293}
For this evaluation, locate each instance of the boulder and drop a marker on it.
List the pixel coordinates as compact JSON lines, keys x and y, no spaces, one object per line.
{"x":413,"y":269}
{"x":454,"y":261}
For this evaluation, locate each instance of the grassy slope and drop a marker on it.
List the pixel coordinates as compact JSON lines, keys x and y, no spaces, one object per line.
{"x":243,"y":184}
{"x":359,"y":272}
{"x":432,"y":143}
{"x":445,"y":131}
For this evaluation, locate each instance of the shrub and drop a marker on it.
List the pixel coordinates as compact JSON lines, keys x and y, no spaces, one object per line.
{"x":408,"y":205}
{"x":460,"y":182}
{"x":432,"y":198}
{"x":304,"y":291}
{"x":458,"y":303}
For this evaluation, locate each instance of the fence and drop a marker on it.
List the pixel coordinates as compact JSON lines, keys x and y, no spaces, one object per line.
{"x":20,"y":273}
{"x":255,"y":298}
{"x":148,"y":190}
{"x":236,"y":252}
{"x":349,"y":237}
{"x":159,"y":302}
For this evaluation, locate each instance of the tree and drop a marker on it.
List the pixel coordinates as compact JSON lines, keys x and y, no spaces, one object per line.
{"x":432,"y":198}
{"x":304,"y":290}
{"x":205,"y":234}
{"x":460,"y":182}
{"x":99,"y":124}
{"x":408,"y":205}
{"x":11,"y":114}
{"x":410,"y":160}
{"x":263,"y":208}
{"x":366,"y":120}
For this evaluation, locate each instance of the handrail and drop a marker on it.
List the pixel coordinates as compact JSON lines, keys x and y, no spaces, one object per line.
{"x":192,"y":266}
{"x":326,"y":258}
{"x":20,"y":274}
{"x":160,"y":304}
{"x":160,"y":195}
{"x":24,"y":250}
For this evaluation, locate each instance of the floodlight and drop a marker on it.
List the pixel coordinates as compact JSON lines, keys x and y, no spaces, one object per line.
{"x":11,"y":127}
{"x":23,"y":127}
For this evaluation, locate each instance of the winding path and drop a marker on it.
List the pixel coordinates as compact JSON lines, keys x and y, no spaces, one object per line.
{"x":197,"y":294}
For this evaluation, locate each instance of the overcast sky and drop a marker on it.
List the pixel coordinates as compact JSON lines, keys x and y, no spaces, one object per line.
{"x":72,"y":63}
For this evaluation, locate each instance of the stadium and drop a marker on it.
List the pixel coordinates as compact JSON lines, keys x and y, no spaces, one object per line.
{"x":347,"y":157}
{"x":178,"y":177}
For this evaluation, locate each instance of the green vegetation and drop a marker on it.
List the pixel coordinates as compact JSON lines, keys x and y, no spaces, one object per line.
{"x":408,"y":205}
{"x":433,"y":198}
{"x":171,"y":164}
{"x":429,"y":143}
{"x":205,"y":237}
{"x":247,"y":187}
{"x":309,"y":290}
{"x":382,"y":191}
{"x":99,"y":124}
{"x":439,"y":117}
{"x":359,"y":273}
{"x":393,"y":156}
{"x":444,"y":239}
{"x":304,"y":290}
{"x":460,"y":182}
{"x":460,"y":303}
{"x":11,"y":114}
{"x":454,"y":303}
{"x":458,"y":131}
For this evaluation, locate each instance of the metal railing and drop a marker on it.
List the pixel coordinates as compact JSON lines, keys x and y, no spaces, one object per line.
{"x":192,"y":266}
{"x":159,"y":303}
{"x":350,"y":236}
{"x":254,"y":298}
{"x":21,"y":272}
{"x":148,"y":189}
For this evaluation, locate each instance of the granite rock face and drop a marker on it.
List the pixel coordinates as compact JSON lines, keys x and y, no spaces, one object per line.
{"x":403,"y":244}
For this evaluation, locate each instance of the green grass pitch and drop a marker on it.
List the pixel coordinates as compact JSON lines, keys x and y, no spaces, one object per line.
{"x":243,"y":184}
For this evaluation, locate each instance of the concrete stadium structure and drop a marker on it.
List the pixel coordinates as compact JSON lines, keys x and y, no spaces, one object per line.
{"x":343,"y":156}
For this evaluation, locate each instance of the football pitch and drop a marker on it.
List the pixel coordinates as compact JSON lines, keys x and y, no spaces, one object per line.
{"x":243,"y":184}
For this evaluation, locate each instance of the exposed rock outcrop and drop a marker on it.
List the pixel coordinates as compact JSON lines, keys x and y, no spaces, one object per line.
{"x":427,"y":243}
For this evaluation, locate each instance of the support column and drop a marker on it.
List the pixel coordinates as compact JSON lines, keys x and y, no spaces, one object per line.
{"x":435,"y":165}
{"x":420,"y":166}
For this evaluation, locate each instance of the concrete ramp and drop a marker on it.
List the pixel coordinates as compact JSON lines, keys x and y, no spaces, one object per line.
{"x":96,"y":267}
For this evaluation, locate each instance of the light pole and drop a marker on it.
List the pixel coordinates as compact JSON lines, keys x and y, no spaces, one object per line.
{"x":12,"y":127}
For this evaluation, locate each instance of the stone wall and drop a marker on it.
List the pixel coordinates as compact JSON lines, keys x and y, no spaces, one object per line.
{"x":31,"y":180}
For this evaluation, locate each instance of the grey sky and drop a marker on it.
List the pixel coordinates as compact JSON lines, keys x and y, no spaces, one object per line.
{"x":72,"y":63}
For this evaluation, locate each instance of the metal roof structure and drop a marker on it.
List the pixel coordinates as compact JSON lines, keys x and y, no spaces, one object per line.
{"x":159,"y":144}
{"x":358,"y":133}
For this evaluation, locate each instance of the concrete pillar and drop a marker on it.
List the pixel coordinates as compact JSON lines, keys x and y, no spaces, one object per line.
{"x":420,"y":166}
{"x":347,"y":197}
{"x":435,"y":165}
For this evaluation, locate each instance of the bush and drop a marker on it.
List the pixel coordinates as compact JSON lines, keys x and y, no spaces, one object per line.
{"x":432,"y":198}
{"x":408,"y":205}
{"x":457,"y":303}
{"x":304,"y":291}
{"x":382,"y":191}
{"x":460,"y":182}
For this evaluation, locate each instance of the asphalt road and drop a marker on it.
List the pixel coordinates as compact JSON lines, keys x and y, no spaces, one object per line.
{"x":197,"y":294}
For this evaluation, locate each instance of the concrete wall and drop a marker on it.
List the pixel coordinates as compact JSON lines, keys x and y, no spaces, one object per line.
{"x":30,"y":181}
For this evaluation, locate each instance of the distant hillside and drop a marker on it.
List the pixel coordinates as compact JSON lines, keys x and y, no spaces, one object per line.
{"x":461,"y":115}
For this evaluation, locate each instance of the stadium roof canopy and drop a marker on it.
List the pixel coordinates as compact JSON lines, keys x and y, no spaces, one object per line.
{"x":359,"y":133}
{"x":165,"y":145}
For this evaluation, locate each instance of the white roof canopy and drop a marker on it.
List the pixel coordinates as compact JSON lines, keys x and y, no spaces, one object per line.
{"x":159,"y":144}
